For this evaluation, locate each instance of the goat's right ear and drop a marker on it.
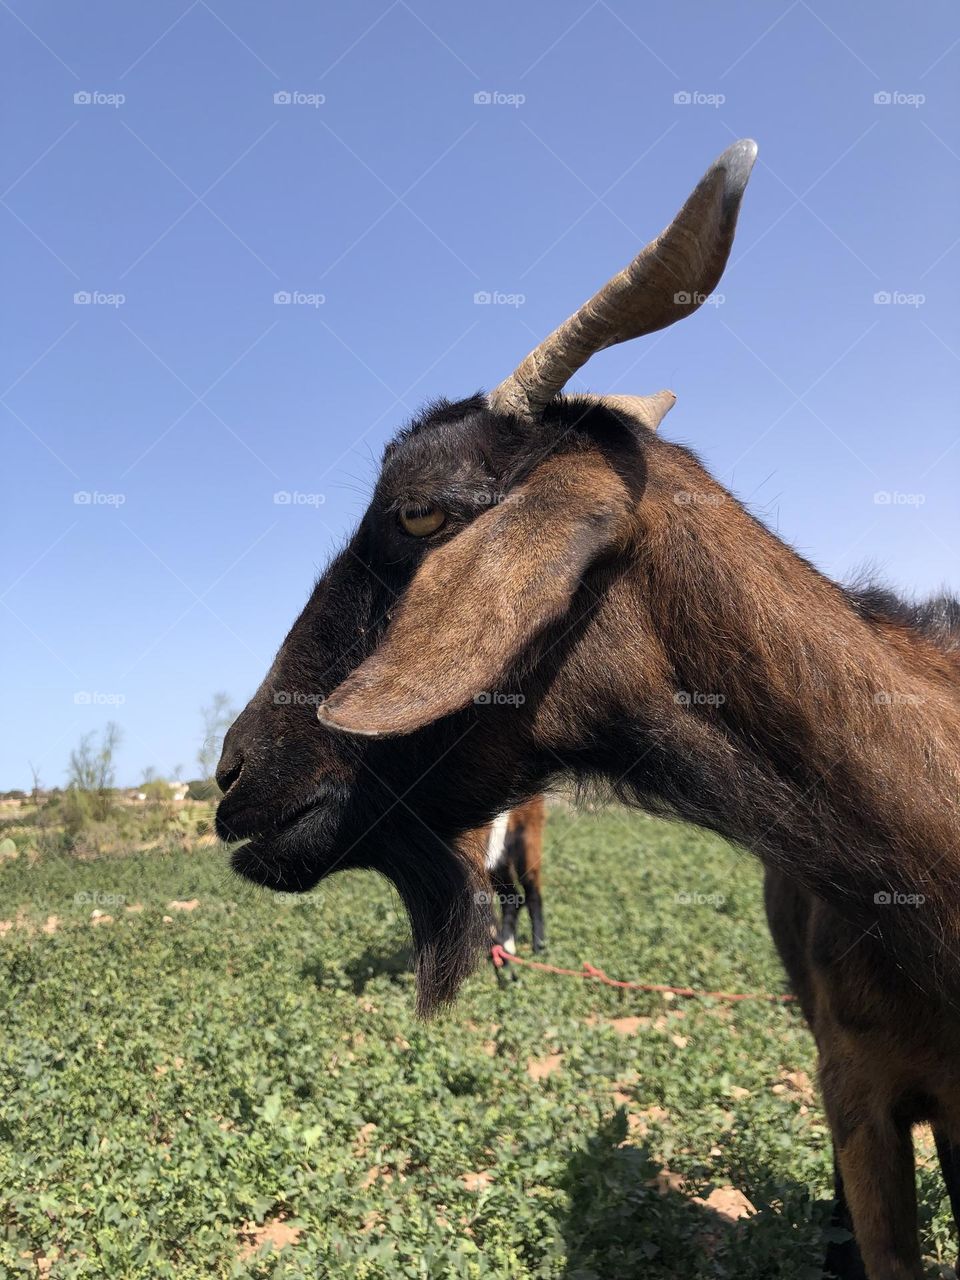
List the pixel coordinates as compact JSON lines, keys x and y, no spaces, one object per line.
{"x":477,"y":601}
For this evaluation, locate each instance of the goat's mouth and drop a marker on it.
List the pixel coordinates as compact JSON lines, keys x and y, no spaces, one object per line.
{"x":290,"y":854}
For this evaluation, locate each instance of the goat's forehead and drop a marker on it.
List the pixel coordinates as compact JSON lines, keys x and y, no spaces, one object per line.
{"x":438,"y":445}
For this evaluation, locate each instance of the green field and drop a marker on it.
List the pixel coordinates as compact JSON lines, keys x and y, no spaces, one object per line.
{"x":178,"y":1097}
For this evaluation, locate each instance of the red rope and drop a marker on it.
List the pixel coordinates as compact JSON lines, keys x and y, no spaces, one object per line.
{"x":501,"y":957}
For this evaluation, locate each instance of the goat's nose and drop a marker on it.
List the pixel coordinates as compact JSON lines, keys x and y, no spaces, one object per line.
{"x":229,"y":768}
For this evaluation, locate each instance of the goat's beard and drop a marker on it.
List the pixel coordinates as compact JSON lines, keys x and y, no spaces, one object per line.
{"x":444,"y":898}
{"x":442,"y":889}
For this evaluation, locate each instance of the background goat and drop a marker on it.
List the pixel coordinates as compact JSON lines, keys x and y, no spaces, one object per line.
{"x":667,"y":643}
{"x":510,"y":850}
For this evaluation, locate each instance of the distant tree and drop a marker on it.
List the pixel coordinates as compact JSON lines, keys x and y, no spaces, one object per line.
{"x":36,"y":793}
{"x":217,"y":719}
{"x":149,"y":775}
{"x":91,"y":775}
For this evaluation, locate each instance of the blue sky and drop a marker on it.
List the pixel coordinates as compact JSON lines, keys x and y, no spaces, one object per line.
{"x":184,"y":408}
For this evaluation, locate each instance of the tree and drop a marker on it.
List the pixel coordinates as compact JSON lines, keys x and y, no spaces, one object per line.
{"x":91,"y":775}
{"x":91,"y":767}
{"x":217,"y":719}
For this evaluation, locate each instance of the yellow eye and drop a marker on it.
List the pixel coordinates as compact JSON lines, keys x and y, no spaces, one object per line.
{"x":421,"y":521}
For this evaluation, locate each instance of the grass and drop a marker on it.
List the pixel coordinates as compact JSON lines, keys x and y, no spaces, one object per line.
{"x":180,"y":1096}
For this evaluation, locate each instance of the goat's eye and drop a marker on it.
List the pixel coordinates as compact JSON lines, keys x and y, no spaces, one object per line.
{"x":421,"y":521}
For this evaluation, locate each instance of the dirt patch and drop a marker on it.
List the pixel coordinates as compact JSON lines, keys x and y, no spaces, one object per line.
{"x":540,"y":1068}
{"x":277,"y":1234}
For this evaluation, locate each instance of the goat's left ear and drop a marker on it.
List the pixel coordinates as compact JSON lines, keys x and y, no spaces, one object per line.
{"x":477,"y":601}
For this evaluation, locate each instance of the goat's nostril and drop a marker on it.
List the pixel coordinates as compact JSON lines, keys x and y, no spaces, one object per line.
{"x":228,"y":771}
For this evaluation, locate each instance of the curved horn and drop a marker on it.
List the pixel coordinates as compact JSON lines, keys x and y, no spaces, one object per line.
{"x":667,"y":280}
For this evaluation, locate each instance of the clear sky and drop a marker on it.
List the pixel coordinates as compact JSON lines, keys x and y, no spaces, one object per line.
{"x":386,"y":189}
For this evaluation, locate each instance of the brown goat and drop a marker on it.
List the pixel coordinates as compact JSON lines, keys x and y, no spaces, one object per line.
{"x":541,"y":588}
{"x":509,"y":851}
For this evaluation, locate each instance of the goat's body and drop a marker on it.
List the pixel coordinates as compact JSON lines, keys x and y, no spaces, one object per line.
{"x":639,"y":627}
{"x":888,"y":1050}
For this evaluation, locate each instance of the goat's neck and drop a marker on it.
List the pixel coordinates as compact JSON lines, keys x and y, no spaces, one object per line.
{"x":828,"y":743}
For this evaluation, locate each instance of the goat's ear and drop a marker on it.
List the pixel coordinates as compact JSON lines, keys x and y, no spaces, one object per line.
{"x":477,"y":601}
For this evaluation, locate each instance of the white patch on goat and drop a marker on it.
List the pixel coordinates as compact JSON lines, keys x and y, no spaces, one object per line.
{"x":496,"y":839}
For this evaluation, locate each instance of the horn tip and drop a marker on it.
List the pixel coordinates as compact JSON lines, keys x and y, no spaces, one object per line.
{"x":736,"y":164}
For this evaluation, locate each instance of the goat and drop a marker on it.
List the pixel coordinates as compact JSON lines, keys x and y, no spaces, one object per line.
{"x":510,"y":849}
{"x":558,"y":552}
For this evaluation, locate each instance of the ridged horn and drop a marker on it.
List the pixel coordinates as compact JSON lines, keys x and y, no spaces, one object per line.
{"x":667,"y":280}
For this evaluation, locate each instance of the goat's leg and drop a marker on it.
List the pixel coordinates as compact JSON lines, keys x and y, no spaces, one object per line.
{"x":949,"y":1155}
{"x":529,"y":876}
{"x":505,"y":888}
{"x":878,"y":1183}
{"x":843,"y":1260}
